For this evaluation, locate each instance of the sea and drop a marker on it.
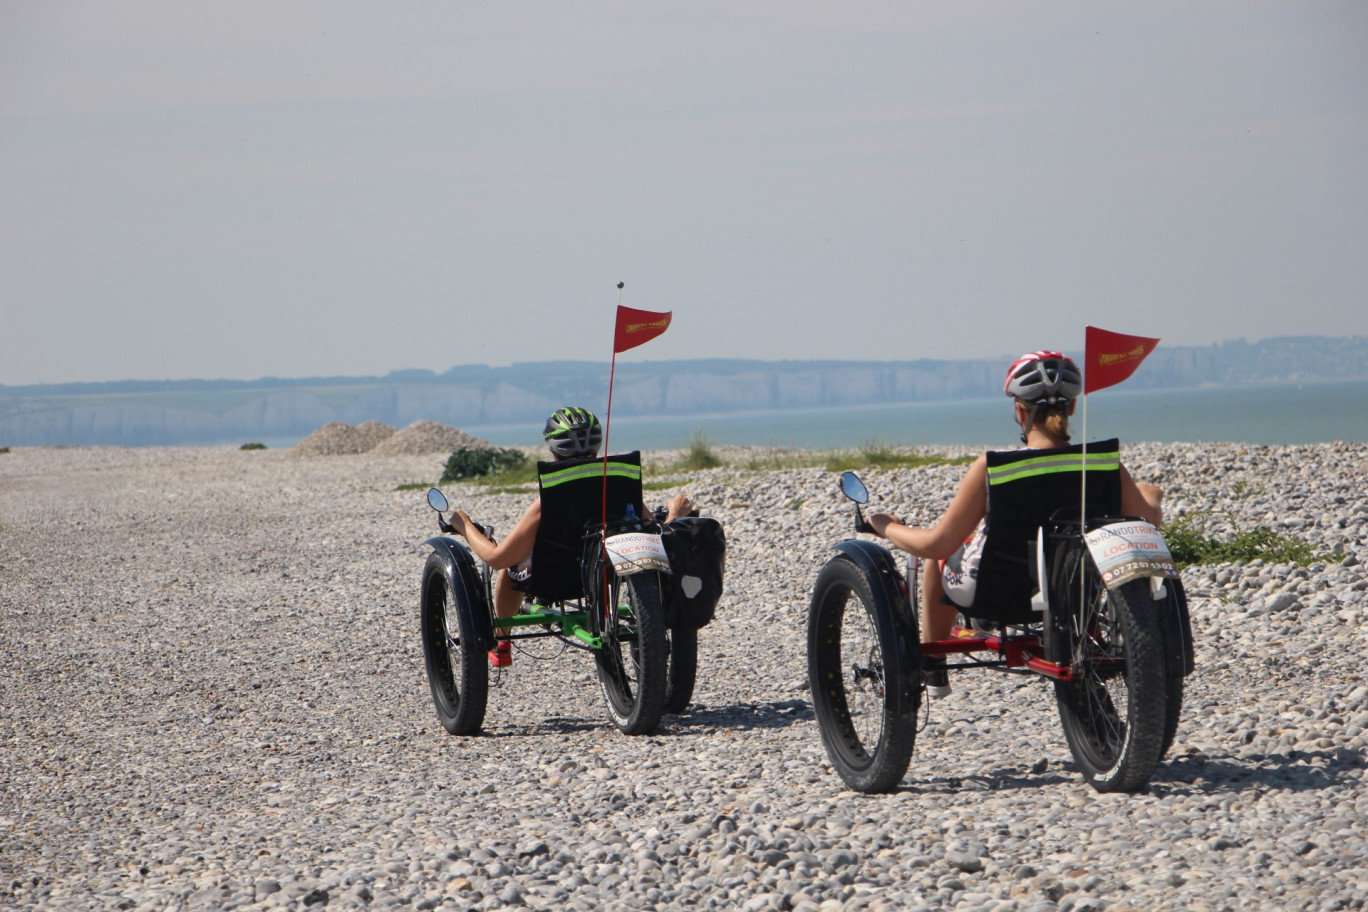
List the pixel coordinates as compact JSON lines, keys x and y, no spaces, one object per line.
{"x":1282,"y":413}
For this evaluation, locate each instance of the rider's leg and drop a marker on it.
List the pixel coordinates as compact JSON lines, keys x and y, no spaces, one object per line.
{"x":507,"y":600}
{"x":938,"y":618}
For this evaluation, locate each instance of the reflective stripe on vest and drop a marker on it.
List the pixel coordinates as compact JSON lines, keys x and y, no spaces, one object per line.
{"x":1053,"y":465}
{"x":591,"y":470}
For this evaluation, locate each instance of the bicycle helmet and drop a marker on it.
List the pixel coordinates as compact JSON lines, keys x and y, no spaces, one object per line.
{"x":572,"y":432}
{"x":1043,"y":378}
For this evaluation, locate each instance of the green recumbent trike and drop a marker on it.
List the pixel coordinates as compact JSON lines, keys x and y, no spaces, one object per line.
{"x":602,"y":581}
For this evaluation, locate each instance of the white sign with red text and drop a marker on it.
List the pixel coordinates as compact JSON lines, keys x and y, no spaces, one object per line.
{"x":632,"y":552}
{"x":1129,"y":550}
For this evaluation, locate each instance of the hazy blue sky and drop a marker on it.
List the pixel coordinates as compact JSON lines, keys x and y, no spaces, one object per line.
{"x":248,"y":189}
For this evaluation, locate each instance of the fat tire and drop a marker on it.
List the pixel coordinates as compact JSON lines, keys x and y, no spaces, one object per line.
{"x":1123,"y":646}
{"x":851,"y":658}
{"x":457,"y":669}
{"x":683,"y":672}
{"x":632,"y":663}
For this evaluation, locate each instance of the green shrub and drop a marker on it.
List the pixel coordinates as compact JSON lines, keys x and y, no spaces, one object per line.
{"x":4,"y":449}
{"x":252,"y":446}
{"x":1190,"y":545}
{"x":700,"y":454}
{"x":480,"y":462}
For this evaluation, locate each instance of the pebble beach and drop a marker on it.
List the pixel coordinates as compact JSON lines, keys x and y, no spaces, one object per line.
{"x":214,"y":698}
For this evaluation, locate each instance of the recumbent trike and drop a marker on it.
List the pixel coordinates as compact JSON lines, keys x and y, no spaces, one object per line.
{"x":1094,"y":605}
{"x":606,"y":578}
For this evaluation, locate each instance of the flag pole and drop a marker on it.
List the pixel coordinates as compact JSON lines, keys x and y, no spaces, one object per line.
{"x":1083,"y":497}
{"x":608,"y":418}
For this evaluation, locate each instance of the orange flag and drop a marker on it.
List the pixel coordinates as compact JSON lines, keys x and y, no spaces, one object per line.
{"x":635,"y":327}
{"x":1112,"y":357}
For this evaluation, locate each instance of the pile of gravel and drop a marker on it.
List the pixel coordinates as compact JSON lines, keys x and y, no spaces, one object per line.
{"x":423,"y":437}
{"x":370,"y":434}
{"x":418,"y":439}
{"x":335,"y":439}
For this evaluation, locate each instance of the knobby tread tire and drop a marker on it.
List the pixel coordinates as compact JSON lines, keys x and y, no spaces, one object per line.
{"x":632,"y":665}
{"x":1117,"y":747}
{"x":870,"y":747}
{"x":457,"y":669}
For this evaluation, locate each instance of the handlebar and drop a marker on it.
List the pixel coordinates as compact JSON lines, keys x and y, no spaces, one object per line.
{"x":660,"y":513}
{"x":861,"y":524}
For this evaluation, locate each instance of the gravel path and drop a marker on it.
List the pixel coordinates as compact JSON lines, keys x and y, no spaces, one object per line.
{"x":214,"y":698}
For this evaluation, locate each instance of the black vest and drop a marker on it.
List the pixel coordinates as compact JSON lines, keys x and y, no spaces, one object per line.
{"x":1025,"y":488}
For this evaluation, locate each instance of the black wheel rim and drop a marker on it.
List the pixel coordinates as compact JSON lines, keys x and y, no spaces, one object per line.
{"x":621,"y":650}
{"x":854,"y":676}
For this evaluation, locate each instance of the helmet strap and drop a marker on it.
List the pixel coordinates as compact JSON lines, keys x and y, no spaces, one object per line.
{"x":1029,"y":422}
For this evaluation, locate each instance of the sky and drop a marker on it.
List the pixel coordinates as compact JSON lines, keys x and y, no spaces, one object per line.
{"x":296,"y":189}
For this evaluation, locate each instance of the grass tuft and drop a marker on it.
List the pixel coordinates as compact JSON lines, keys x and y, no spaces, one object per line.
{"x":880,"y":456}
{"x":1189,"y":545}
{"x":700,"y":454}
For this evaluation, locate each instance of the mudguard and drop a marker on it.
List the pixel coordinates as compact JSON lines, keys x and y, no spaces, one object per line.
{"x":463,"y":576}
{"x":896,"y":618}
{"x":1176,"y":625}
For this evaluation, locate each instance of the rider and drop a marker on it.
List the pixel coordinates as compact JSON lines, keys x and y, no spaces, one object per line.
{"x":1044,"y":387}
{"x":571,"y":433}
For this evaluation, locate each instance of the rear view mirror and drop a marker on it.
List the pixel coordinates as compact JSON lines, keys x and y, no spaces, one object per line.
{"x":437,"y":500}
{"x":852,"y":487}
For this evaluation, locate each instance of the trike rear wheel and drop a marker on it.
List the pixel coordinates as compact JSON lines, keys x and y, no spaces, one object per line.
{"x":632,"y":660}
{"x":853,"y":671}
{"x":457,"y":670}
{"x":1115,"y":708}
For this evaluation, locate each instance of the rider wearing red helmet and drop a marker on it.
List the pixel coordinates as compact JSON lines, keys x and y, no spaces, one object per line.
{"x":1044,"y":387}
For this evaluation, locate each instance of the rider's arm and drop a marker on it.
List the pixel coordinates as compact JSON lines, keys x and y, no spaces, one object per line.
{"x":956,"y":524}
{"x":515,"y":546}
{"x":1141,"y":500}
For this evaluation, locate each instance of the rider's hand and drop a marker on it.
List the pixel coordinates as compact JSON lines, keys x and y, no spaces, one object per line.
{"x":459,"y":522}
{"x":880,"y":523}
{"x":678,"y":506}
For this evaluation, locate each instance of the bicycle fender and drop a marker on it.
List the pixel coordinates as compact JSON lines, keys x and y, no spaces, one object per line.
{"x":1175,"y":623}
{"x":888,"y":585}
{"x":464,"y":579}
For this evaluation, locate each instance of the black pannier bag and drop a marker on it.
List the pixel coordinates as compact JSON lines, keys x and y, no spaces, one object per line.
{"x":697,"y":548}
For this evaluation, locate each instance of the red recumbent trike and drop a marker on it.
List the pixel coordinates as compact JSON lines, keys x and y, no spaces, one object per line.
{"x":1093,"y":604}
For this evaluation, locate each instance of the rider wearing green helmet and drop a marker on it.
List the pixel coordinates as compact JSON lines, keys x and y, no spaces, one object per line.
{"x":570,"y":433}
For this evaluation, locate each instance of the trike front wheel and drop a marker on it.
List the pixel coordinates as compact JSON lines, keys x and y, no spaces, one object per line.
{"x":456,"y":666}
{"x":853,"y":672}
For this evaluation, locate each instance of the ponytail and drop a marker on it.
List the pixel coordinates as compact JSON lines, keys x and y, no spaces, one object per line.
{"x":1052,"y":419}
{"x":1055,"y":422}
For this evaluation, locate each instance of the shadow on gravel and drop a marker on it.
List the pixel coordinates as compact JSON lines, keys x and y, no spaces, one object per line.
{"x":554,"y":725}
{"x":997,"y":781}
{"x":738,"y":717}
{"x":732,"y":716}
{"x":1295,"y":771}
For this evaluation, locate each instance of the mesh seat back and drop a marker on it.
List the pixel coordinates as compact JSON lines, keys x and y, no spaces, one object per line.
{"x":1026,"y":488}
{"x":572,"y":502}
